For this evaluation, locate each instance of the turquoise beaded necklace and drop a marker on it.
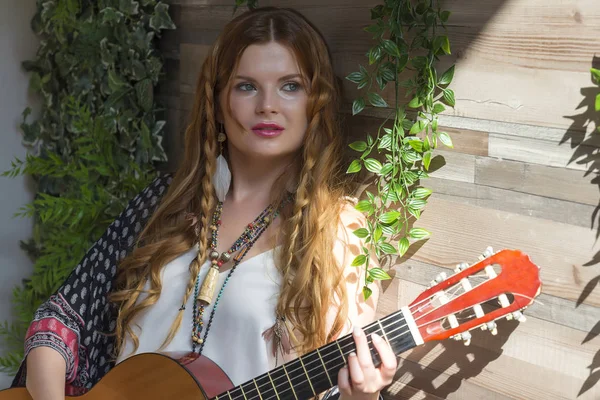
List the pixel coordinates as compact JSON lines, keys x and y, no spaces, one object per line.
{"x":243,"y":243}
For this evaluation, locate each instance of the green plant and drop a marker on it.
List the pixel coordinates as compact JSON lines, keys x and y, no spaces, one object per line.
{"x":96,"y":142}
{"x":596,"y":78}
{"x":408,"y":43}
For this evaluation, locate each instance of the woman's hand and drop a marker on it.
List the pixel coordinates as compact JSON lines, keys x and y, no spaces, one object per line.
{"x":360,"y":380}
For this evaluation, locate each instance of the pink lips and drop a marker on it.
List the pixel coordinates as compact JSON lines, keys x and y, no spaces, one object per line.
{"x":267,"y":129}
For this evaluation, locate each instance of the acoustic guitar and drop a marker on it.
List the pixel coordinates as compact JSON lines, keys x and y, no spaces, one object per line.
{"x":500,"y":285}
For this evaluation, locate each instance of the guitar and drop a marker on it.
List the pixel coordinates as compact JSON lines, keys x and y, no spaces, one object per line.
{"x":450,"y":308}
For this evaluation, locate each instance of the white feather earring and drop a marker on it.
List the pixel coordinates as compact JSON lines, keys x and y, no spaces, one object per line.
{"x":222,"y":176}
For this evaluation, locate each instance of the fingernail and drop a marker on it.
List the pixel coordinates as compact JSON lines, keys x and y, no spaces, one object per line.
{"x":357,"y":331}
{"x":375,"y":337}
{"x":353,"y":354}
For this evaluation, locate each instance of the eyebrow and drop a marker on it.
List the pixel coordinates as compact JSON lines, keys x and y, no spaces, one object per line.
{"x":283,"y":78}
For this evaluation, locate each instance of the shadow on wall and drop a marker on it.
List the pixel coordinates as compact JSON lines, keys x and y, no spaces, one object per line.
{"x":587,"y":152}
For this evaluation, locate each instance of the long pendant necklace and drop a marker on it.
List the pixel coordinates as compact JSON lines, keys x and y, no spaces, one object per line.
{"x":203,"y":295}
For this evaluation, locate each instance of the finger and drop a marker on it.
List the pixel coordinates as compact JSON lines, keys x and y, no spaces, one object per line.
{"x":362,"y":351}
{"x":357,"y":376}
{"x":344,"y":382}
{"x":387,"y":356}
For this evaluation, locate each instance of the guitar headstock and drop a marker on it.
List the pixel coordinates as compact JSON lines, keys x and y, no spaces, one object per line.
{"x":454,"y":305}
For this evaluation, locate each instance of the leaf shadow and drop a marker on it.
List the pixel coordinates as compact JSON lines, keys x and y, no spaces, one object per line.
{"x":586,"y":152}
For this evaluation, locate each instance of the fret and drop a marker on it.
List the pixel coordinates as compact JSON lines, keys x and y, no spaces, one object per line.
{"x":243,"y":393}
{"x":290,"y":381}
{"x":307,"y":377}
{"x":273,"y":383}
{"x":337,"y":342}
{"x":229,"y":394}
{"x":383,"y":331}
{"x":325,"y":368}
{"x":257,"y":390}
{"x":216,"y":397}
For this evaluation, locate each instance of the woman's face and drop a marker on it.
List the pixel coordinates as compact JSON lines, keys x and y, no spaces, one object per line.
{"x":267,"y":89}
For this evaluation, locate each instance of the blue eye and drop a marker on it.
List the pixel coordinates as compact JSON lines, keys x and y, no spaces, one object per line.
{"x":295,"y":84}
{"x":241,"y":85}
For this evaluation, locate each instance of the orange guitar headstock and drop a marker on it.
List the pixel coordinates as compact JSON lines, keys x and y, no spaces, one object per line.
{"x":454,"y":305}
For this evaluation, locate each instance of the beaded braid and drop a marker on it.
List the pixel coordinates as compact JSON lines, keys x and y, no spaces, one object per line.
{"x":207,"y":201}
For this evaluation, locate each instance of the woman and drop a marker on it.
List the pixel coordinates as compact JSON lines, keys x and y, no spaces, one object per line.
{"x":265,"y":109}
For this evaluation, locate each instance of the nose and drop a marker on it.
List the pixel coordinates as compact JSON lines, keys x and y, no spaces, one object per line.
{"x":267,"y":102}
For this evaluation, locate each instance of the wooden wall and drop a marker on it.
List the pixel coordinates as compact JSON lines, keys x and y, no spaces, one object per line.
{"x":523,"y":174}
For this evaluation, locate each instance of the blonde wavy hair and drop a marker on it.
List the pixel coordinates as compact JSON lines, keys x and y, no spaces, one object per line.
{"x":311,"y":276}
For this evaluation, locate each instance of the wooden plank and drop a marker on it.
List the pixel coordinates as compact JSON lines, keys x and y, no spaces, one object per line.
{"x":559,"y":183}
{"x":534,"y":151}
{"x":191,"y":60}
{"x":461,"y":231}
{"x":548,"y":308}
{"x":464,"y":140}
{"x":453,"y":166}
{"x":509,"y":47}
{"x":533,"y":360}
{"x":511,"y":201}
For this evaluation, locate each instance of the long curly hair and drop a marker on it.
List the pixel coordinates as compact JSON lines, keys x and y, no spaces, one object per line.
{"x":310,"y":274}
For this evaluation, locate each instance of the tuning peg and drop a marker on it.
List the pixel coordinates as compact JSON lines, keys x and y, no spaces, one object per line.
{"x":466,"y":337}
{"x":518,"y":315}
{"x":461,"y":266}
{"x":441,"y":277}
{"x":492,"y":327}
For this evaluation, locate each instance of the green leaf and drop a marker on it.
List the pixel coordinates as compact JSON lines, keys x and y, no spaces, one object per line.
{"x":419,"y":126}
{"x":355,"y":77}
{"x":359,"y":260}
{"x":373,"y":165}
{"x":442,"y":42}
{"x":403,"y":245}
{"x":358,"y":105}
{"x":449,"y":97}
{"x":161,"y":19}
{"x":129,"y":7}
{"x":385,"y":142}
{"x":358,"y":146}
{"x":416,"y":144}
{"x":444,"y":15}
{"x":598,"y":102}
{"x":421,"y":193}
{"x":596,"y":74}
{"x":447,"y":76}
{"x":389,"y":217}
{"x":377,"y":234}
{"x":391,"y":48}
{"x":445,"y":139}
{"x":427,"y":160}
{"x":366,"y":292}
{"x":388,"y":248}
{"x":438,"y":108}
{"x":361,"y":233}
{"x":363,"y":206}
{"x":376,"y":100}
{"x":386,"y":169}
{"x":354,"y":167}
{"x":145,"y":94}
{"x":415,"y":103}
{"x":379,"y":274}
{"x":419,"y":233}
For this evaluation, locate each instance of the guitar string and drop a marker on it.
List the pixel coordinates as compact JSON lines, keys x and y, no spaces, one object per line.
{"x":456,"y":287}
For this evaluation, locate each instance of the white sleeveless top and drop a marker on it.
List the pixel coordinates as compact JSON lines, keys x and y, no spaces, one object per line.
{"x":246,"y":309}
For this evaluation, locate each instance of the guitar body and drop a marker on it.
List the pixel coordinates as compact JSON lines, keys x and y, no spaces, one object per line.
{"x":152,"y":377}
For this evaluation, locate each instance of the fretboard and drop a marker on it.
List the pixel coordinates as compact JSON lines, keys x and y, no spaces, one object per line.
{"x":317,"y":371}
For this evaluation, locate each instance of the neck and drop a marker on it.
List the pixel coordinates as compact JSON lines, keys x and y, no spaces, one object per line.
{"x":253,"y":179}
{"x":317,"y":371}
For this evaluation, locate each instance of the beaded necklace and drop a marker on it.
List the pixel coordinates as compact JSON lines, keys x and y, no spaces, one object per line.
{"x":244,"y":243}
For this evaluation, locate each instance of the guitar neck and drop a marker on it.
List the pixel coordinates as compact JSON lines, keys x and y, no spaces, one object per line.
{"x":317,"y":371}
